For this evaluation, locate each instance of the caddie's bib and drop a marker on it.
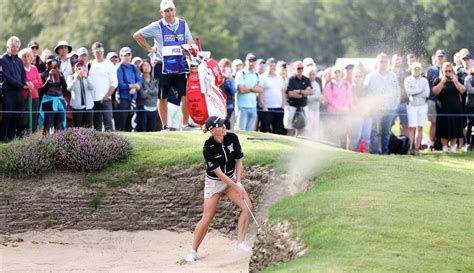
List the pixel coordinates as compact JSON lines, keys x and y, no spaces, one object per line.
{"x":173,"y":61}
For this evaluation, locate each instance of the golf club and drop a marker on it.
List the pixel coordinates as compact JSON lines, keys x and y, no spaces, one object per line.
{"x":254,"y":219}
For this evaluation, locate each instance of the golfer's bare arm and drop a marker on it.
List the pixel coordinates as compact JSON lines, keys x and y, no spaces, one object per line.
{"x":238,"y":169}
{"x":224,"y":178}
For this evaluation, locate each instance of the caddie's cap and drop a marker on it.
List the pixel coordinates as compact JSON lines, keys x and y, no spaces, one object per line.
{"x":166,"y":4}
{"x":213,"y":122}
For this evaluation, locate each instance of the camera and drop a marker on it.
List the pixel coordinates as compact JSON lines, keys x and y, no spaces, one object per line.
{"x":54,"y":65}
{"x":449,"y":78}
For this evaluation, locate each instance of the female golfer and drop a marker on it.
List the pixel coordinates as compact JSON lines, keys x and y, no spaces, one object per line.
{"x":223,"y":156}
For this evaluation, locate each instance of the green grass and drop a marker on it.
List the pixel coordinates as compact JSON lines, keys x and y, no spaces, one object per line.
{"x":385,"y":214}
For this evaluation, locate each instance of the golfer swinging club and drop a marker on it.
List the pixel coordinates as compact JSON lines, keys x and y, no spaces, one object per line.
{"x":223,"y":156}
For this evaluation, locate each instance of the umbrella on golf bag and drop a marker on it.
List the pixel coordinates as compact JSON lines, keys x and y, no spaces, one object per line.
{"x":203,"y":94}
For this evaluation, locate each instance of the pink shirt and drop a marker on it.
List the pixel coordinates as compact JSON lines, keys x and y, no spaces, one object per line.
{"x":339,"y":97}
{"x":34,"y":77}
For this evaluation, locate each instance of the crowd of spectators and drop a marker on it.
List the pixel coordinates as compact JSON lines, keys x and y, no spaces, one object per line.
{"x":352,"y":106}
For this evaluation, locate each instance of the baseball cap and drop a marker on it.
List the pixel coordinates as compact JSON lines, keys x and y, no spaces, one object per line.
{"x":137,"y":59}
{"x":337,"y":68}
{"x":213,"y":122}
{"x":112,"y":54}
{"x":349,"y":66}
{"x":251,"y":57}
{"x":50,"y":58}
{"x":466,"y":56}
{"x":308,"y":61}
{"x":440,"y":52}
{"x":236,"y":62}
{"x":125,"y":51}
{"x":260,"y":62}
{"x":72,"y":53}
{"x":81,"y":51}
{"x":166,"y":4}
{"x":416,"y":65}
{"x":32,"y":44}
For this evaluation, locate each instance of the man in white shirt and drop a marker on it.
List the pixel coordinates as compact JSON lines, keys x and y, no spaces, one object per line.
{"x":384,"y":88}
{"x":272,"y":100}
{"x":103,"y":77}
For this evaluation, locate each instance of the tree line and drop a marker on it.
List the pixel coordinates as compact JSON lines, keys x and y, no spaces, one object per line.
{"x":289,"y":30}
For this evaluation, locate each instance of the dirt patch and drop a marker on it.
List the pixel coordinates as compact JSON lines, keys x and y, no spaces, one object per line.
{"x":274,"y":245}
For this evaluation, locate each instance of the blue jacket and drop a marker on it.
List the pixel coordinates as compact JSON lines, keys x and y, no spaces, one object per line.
{"x":14,"y":74}
{"x":127,"y":74}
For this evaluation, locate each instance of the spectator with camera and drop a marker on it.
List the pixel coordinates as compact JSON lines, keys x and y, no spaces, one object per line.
{"x":296,"y":112}
{"x":432,"y":75}
{"x":15,"y":82}
{"x":53,"y":105}
{"x":450,"y":122}
{"x":418,"y":90}
{"x":82,"y":102}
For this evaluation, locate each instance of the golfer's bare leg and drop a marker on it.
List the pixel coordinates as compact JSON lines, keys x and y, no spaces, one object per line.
{"x":163,"y":110}
{"x":184,"y":110}
{"x":209,"y":210}
{"x":244,"y":218}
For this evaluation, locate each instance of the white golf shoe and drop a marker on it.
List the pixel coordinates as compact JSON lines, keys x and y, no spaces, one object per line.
{"x":192,"y":256}
{"x":243,"y":247}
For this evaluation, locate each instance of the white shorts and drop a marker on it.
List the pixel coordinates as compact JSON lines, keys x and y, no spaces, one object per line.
{"x":212,"y":187}
{"x":174,"y":116}
{"x":417,"y":115}
{"x":290,"y":113}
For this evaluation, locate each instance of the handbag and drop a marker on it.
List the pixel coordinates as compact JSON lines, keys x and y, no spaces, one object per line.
{"x":299,"y":119}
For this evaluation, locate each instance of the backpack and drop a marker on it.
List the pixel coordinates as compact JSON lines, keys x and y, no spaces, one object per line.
{"x":299,"y":119}
{"x":398,"y":145}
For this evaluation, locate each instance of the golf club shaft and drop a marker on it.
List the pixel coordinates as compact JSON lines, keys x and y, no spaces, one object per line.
{"x":254,"y":219}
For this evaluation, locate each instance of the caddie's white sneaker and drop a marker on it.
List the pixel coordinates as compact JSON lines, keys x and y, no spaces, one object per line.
{"x":243,"y":247}
{"x":192,"y":256}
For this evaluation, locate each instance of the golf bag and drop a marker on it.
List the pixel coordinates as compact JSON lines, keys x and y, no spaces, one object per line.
{"x":203,"y":95}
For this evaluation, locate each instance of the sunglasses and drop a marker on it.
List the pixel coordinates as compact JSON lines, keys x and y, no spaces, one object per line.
{"x":34,"y":48}
{"x":99,"y":51}
{"x":448,"y":71}
{"x":300,"y":68}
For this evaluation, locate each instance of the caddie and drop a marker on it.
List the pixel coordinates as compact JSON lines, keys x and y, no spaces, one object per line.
{"x":168,"y":33}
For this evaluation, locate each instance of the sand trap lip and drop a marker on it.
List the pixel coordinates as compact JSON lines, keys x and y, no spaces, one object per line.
{"x":119,"y":251}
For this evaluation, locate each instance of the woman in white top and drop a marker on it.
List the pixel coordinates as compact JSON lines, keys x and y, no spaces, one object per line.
{"x":418,"y":90}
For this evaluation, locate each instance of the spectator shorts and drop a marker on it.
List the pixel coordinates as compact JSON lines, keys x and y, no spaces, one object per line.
{"x":174,"y":116}
{"x":431,"y":110}
{"x":290,"y":113}
{"x":167,"y":82}
{"x":417,"y":115}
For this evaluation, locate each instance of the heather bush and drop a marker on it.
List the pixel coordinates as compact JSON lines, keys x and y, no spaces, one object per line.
{"x":75,"y":149}
{"x":30,"y":156}
{"x":81,"y":149}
